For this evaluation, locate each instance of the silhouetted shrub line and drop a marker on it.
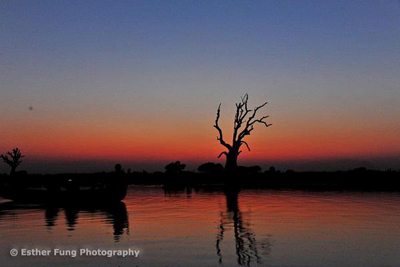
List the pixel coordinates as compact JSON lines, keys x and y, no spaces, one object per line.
{"x":358,"y":179}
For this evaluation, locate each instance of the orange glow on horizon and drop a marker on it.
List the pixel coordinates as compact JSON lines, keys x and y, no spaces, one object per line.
{"x":163,"y":140}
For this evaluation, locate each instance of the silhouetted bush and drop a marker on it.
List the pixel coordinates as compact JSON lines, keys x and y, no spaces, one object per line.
{"x":248,"y":170}
{"x":211,"y":167}
{"x":175,"y":167}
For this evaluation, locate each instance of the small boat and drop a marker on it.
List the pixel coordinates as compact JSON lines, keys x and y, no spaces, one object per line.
{"x":72,"y":192}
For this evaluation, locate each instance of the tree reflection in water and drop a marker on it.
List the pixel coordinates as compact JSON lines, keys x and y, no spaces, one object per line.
{"x":247,"y":249}
{"x":246,"y":245}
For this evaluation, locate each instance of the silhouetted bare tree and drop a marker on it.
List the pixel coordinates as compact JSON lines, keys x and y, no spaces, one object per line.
{"x":244,"y":122}
{"x":13,"y":159}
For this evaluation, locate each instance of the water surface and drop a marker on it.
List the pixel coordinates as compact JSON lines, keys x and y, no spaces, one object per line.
{"x":213,"y":228}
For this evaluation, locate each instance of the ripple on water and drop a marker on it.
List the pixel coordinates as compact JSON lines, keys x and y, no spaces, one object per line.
{"x":282,"y":228}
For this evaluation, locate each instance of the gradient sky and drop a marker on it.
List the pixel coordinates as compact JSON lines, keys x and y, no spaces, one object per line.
{"x":139,"y":82}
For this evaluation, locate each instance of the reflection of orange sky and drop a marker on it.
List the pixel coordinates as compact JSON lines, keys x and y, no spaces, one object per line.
{"x":293,"y":213}
{"x":297,"y":215}
{"x":170,"y":226}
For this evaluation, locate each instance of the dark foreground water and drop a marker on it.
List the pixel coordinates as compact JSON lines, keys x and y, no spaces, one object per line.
{"x":252,"y":228}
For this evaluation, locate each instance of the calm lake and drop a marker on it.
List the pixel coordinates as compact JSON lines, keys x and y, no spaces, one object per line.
{"x":212,"y":228}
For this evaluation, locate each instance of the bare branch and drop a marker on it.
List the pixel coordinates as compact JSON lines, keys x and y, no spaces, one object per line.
{"x":251,"y":121}
{"x":263,"y":122}
{"x":260,"y":120}
{"x":247,"y":145}
{"x":241,"y":113}
{"x":223,"y":153}
{"x":220,"y":138}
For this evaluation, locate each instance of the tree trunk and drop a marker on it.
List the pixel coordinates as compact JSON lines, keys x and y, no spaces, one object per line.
{"x":13,"y":168}
{"x":231,"y":161}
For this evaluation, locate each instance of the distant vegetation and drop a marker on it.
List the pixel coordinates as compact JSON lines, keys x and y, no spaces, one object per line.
{"x":212,"y":174}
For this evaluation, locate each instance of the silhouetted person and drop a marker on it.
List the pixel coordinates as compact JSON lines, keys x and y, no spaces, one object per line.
{"x":119,"y":184}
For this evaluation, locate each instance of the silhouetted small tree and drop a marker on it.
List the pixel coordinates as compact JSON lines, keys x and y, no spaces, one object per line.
{"x":13,"y":159}
{"x":118,"y":168}
{"x":175,"y":167}
{"x":244,"y":122}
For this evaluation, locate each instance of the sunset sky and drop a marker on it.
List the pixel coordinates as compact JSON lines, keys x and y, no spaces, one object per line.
{"x":87,"y":84}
